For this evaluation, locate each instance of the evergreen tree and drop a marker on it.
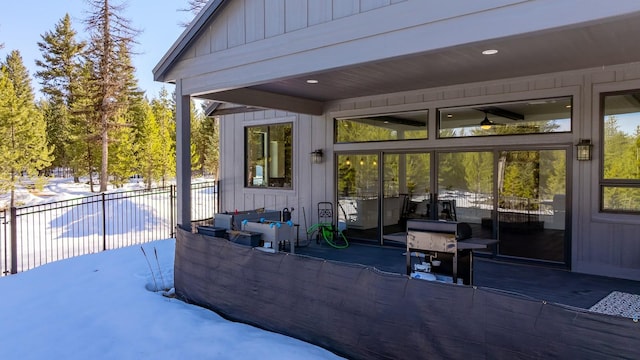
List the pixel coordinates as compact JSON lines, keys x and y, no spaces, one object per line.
{"x":133,"y":108}
{"x":21,"y":124}
{"x":111,"y":35}
{"x":150,"y":150}
{"x":84,"y":137}
{"x":164,"y":112}
{"x":206,"y":142}
{"x":59,"y":73}
{"x":196,"y":135}
{"x":211,"y":146}
{"x":122,"y":151}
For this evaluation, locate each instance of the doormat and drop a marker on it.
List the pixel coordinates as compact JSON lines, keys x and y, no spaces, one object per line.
{"x":619,"y":303}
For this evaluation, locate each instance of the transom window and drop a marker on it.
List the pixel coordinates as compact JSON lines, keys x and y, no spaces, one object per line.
{"x":269,"y":161}
{"x":382,"y":127}
{"x":522,"y":117}
{"x":620,"y":171}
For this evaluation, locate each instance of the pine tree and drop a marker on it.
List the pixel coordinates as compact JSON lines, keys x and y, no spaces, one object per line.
{"x":164,"y":111}
{"x":150,"y":155}
{"x":21,"y":124}
{"x":59,"y":73}
{"x":84,"y":136}
{"x":196,"y":132}
{"x":111,"y":34}
{"x":123,"y":147}
{"x":211,"y":145}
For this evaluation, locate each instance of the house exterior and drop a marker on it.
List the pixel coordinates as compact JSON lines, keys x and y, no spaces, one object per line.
{"x":379,"y":106}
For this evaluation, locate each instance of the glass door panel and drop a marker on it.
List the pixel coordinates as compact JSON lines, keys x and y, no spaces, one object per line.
{"x":465,"y":190}
{"x":531,"y":204}
{"x":407,"y":192}
{"x":358,"y":189}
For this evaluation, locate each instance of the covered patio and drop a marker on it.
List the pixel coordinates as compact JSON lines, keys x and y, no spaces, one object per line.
{"x":284,"y":80}
{"x":527,"y":280}
{"x":330,"y":298}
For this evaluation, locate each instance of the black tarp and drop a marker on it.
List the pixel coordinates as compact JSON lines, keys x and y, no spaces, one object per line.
{"x":361,"y":313}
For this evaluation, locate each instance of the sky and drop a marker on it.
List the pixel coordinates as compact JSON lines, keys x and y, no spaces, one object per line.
{"x":22,"y":23}
{"x":105,"y":306}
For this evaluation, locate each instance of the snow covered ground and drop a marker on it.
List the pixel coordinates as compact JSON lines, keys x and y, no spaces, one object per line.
{"x":66,"y":219}
{"x":103,"y":306}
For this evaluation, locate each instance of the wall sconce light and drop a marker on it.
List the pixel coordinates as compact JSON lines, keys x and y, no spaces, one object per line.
{"x":486,"y":123}
{"x":584,"y":148}
{"x":316,"y":156}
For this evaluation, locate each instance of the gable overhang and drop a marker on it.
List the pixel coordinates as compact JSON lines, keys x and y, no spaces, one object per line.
{"x":344,"y":70}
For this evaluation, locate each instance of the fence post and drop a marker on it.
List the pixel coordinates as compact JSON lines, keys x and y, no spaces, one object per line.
{"x":172,"y":226}
{"x":14,"y":240}
{"x":216,"y":191}
{"x":104,"y":224}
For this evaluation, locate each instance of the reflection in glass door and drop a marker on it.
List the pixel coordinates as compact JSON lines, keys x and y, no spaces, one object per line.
{"x":531,"y":204}
{"x":465,"y":190}
{"x":407,"y":191}
{"x":358,"y":189}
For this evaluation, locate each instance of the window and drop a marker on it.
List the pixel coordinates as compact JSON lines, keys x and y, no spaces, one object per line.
{"x":620,"y":179}
{"x":521,"y":117}
{"x":394,"y":126}
{"x":269,"y":156}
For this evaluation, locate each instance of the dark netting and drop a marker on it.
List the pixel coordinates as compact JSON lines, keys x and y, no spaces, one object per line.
{"x":361,"y":313}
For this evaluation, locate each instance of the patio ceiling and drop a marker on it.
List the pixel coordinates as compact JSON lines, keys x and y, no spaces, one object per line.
{"x":577,"y":47}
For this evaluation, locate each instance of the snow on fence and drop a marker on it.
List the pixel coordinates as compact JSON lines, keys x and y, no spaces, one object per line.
{"x":34,"y":235}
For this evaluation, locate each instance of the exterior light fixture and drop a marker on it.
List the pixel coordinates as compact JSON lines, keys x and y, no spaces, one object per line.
{"x":486,"y":123}
{"x":316,"y":156}
{"x":584,"y":148}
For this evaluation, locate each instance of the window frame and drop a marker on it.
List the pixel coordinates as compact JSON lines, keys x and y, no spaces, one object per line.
{"x":265,"y":176}
{"x":440,"y":111}
{"x":336,"y":121}
{"x":604,"y":183}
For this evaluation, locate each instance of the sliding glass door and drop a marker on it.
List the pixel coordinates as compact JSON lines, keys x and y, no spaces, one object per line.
{"x":465,"y":189}
{"x":516,"y":196}
{"x":407,"y":192}
{"x":358,"y":194}
{"x":531,"y":204}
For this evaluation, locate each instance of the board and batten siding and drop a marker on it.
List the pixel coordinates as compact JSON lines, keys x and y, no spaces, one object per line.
{"x":245,"y":21}
{"x":604,"y":244}
{"x":247,"y":41}
{"x":312,"y":183}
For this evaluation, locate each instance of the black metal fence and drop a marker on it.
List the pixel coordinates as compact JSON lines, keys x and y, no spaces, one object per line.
{"x":34,"y":235}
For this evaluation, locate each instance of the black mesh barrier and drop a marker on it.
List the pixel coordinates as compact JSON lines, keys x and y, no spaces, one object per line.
{"x":361,"y":313}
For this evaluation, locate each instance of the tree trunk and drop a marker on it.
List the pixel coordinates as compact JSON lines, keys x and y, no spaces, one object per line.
{"x":105,"y":155}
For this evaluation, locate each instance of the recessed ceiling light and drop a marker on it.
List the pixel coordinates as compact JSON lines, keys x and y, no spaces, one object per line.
{"x":449,"y":115}
{"x":490,"y":52}
{"x":312,"y":81}
{"x":568,"y":106}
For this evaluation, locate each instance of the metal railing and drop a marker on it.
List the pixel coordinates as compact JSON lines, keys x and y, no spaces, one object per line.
{"x":34,"y":235}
